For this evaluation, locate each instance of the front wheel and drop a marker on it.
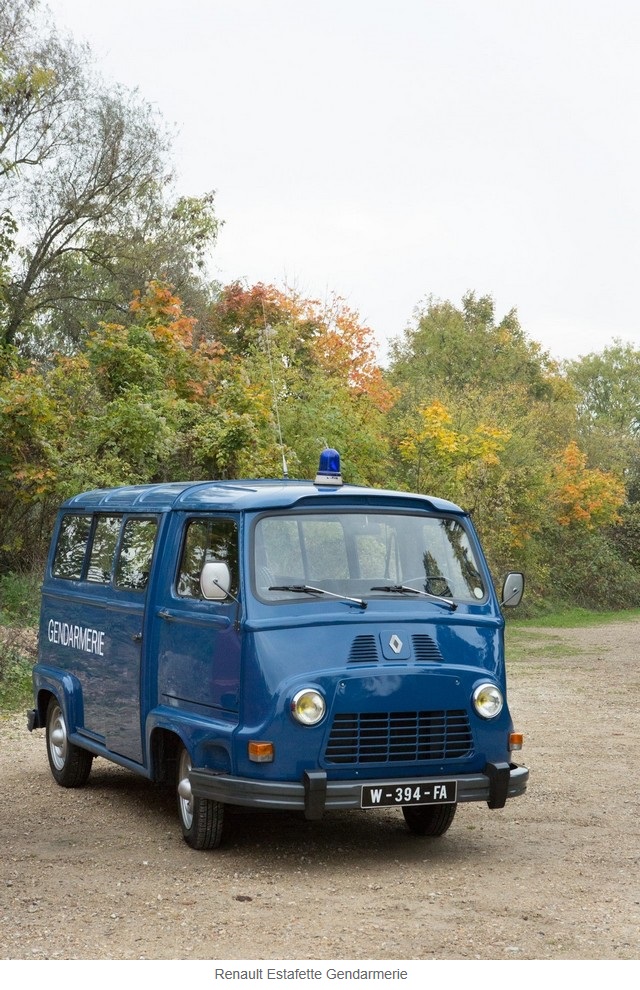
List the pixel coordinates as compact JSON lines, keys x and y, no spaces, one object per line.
{"x":201,"y":819}
{"x":70,"y":765}
{"x":429,"y":819}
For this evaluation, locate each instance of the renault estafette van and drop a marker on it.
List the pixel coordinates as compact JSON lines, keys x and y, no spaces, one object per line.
{"x":277,"y":644}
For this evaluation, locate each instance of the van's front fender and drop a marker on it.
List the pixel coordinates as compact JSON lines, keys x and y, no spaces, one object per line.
{"x":208,"y":739}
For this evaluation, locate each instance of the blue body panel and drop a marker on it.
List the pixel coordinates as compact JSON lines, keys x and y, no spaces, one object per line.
{"x":125,"y":665}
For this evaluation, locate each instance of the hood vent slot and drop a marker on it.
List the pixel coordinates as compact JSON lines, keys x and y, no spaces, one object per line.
{"x":424,"y":649}
{"x":364,"y":649}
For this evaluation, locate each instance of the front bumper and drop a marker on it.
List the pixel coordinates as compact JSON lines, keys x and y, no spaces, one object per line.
{"x":315,"y":794}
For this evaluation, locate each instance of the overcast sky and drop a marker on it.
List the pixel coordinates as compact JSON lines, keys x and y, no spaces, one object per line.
{"x":388,"y":150}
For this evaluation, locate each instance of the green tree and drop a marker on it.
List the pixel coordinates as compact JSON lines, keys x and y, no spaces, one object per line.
{"x":154,"y":400}
{"x":313,"y":366}
{"x":456,"y":348}
{"x":607,"y":386}
{"x":39,"y":81}
{"x":486,"y":418}
{"x":121,"y":411}
{"x":96,"y":218}
{"x":480,"y":411}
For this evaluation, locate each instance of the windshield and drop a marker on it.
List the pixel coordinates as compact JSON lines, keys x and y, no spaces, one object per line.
{"x":364,"y":555}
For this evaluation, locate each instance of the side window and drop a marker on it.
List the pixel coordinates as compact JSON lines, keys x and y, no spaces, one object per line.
{"x":136,"y":550}
{"x":103,"y":548}
{"x":71,"y":547}
{"x":207,"y":540}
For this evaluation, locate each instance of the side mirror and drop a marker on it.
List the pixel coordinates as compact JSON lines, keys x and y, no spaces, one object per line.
{"x":512,"y":589}
{"x":215,"y":581}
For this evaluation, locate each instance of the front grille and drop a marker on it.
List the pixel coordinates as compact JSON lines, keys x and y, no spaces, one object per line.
{"x":399,"y":737}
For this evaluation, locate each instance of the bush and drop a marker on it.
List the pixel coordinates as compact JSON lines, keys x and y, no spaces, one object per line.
{"x":590,"y":573}
{"x":15,"y":677}
{"x":19,"y":608}
{"x":20,"y":599}
{"x":626,"y":536}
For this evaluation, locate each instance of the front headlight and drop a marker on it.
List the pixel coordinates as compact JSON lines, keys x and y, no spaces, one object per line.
{"x":308,"y":706}
{"x":488,"y":700}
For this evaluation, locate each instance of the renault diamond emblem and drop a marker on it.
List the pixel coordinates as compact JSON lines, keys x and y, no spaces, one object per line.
{"x":395,"y":643}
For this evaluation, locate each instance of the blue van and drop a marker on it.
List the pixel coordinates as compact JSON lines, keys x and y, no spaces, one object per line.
{"x":277,"y":644}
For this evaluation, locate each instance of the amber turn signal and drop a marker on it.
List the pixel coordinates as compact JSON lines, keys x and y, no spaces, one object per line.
{"x":516,"y":740}
{"x":260,"y":752}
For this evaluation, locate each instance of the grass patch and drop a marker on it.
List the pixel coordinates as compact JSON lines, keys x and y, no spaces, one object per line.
{"x":573,"y":618}
{"x":533,"y":638}
{"x":532,"y":644}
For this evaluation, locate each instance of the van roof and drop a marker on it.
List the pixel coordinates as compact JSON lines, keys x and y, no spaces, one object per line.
{"x":246,"y":494}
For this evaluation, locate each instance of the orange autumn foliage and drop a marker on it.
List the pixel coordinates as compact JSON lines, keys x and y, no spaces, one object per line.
{"x":587,"y":497}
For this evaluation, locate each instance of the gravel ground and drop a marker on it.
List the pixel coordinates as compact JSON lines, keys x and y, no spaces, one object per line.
{"x":103,"y":873}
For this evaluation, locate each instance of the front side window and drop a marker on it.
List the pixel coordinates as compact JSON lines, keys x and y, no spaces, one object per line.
{"x":207,"y":540}
{"x":71,"y":547}
{"x":364,"y":554}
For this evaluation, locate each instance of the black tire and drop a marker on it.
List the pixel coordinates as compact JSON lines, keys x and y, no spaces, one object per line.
{"x":429,"y":819}
{"x":202,"y":820}
{"x":70,"y":765}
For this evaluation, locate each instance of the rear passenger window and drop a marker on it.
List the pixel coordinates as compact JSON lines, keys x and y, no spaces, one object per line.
{"x":207,"y":540}
{"x":136,"y":552}
{"x":71,"y":547}
{"x":103,"y":548}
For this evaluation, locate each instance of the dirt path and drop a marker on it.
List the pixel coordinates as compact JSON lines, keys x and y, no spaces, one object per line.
{"x":103,"y":873}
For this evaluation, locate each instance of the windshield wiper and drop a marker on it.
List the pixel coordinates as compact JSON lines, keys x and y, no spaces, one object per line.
{"x":401,"y":589}
{"x":308,"y":589}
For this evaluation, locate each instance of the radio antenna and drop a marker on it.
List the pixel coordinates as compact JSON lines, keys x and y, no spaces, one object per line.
{"x":267,"y":334}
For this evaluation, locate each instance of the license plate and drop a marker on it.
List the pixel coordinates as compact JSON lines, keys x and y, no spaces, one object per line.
{"x":408,"y":792}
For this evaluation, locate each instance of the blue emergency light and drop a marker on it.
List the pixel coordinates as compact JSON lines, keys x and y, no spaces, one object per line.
{"x":329,"y":468}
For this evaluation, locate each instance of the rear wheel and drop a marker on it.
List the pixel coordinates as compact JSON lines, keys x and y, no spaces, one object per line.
{"x":201,"y":819}
{"x":429,"y":819}
{"x":70,"y":765}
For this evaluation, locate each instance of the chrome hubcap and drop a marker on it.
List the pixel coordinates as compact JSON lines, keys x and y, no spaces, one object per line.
{"x":185,"y":797}
{"x":58,"y":740}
